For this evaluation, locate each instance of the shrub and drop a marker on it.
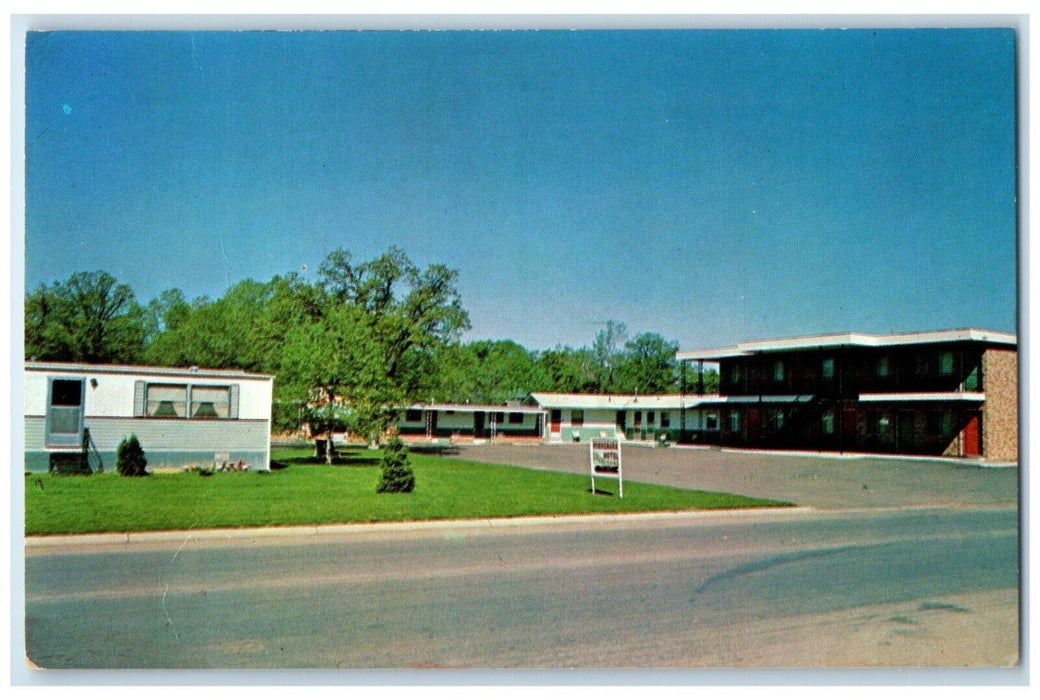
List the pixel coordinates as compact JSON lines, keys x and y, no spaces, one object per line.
{"x":398,"y":476}
{"x":130,"y":459}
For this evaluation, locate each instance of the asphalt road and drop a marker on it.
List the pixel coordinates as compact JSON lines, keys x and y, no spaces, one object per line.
{"x":873,"y":587}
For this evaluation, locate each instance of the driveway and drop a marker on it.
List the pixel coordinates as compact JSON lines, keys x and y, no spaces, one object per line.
{"x":817,"y":481}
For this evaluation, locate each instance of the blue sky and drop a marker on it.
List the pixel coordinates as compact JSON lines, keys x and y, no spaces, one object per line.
{"x":711,"y":185}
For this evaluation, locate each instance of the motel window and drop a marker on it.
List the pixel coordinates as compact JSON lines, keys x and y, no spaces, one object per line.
{"x":639,"y":418}
{"x":515,"y":418}
{"x":649,"y":417}
{"x":884,"y":422}
{"x":778,"y":370}
{"x":734,"y":422}
{"x":946,"y":362}
{"x":734,"y":374}
{"x":210,"y":401}
{"x":882,"y":366}
{"x":711,"y":422}
{"x":827,"y":368}
{"x":827,"y":422}
{"x":940,"y":423}
{"x":666,"y":420}
{"x":167,"y":400}
{"x":577,"y":418}
{"x":413,"y":415}
{"x":500,"y":417}
{"x":777,"y":418}
{"x":971,"y":382}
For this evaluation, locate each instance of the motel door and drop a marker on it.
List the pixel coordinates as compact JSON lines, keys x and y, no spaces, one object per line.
{"x":972,"y":443}
{"x":478,"y":424}
{"x":554,"y":420}
{"x":754,"y":423}
{"x":65,"y":412}
{"x":849,"y":433}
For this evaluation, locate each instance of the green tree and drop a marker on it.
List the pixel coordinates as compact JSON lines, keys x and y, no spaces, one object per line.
{"x":412,"y":312}
{"x":648,"y":365}
{"x":222,"y":334}
{"x":396,"y":473}
{"x":337,"y":365}
{"x":130,"y":459}
{"x":486,"y":371}
{"x":368,"y":334}
{"x":88,"y":318}
{"x":607,"y":354}
{"x":564,"y":369}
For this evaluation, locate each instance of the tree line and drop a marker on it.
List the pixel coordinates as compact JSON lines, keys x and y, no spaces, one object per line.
{"x":377,"y":333}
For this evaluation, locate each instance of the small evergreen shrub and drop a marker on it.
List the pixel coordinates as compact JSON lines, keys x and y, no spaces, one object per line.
{"x":130,"y":459}
{"x":398,"y":476}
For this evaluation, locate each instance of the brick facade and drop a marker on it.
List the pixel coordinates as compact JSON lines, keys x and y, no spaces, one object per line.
{"x":1000,"y":411}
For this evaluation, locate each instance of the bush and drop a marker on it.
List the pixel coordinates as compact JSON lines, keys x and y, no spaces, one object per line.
{"x":130,"y":459}
{"x":398,"y":476}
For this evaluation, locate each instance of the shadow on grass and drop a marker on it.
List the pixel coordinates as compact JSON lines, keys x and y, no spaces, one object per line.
{"x":338,"y":461}
{"x":434,"y":449}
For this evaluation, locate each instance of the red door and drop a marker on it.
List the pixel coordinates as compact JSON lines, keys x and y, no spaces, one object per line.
{"x":554,"y":420}
{"x":754,"y":425}
{"x":971,"y":437}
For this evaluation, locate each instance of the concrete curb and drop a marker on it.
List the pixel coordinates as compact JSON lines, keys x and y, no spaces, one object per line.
{"x":42,"y":542}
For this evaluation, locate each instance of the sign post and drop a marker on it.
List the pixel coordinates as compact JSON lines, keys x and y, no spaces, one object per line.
{"x":605,"y":460}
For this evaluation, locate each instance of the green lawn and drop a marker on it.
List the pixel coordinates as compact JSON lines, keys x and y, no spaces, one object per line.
{"x":300,"y":491}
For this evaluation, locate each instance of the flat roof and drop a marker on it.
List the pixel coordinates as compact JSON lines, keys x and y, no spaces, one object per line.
{"x":835,"y":340}
{"x":474,"y":408}
{"x":83,"y":368}
{"x":621,"y":401}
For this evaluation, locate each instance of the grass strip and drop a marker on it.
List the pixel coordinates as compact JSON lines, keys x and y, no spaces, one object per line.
{"x":301,"y":491}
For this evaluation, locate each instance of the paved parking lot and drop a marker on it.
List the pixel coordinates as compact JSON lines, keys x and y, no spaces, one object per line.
{"x":818,"y":481}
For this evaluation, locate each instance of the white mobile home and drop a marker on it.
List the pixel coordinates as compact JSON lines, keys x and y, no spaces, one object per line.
{"x":180,"y":416}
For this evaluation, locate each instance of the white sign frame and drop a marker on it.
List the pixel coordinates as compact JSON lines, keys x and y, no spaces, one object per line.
{"x":605,"y":460}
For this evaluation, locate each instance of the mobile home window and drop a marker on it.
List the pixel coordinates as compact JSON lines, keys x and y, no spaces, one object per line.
{"x":711,"y":422}
{"x":577,"y":418}
{"x":210,"y":401}
{"x":167,"y":400}
{"x":413,"y":415}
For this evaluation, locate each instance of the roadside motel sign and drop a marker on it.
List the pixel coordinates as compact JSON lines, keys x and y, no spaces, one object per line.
{"x":605,"y":462}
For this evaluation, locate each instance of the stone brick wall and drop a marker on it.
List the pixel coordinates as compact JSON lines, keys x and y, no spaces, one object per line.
{"x":1000,"y":411}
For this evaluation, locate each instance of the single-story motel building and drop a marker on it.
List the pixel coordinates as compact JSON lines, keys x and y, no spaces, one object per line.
{"x":180,"y":416}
